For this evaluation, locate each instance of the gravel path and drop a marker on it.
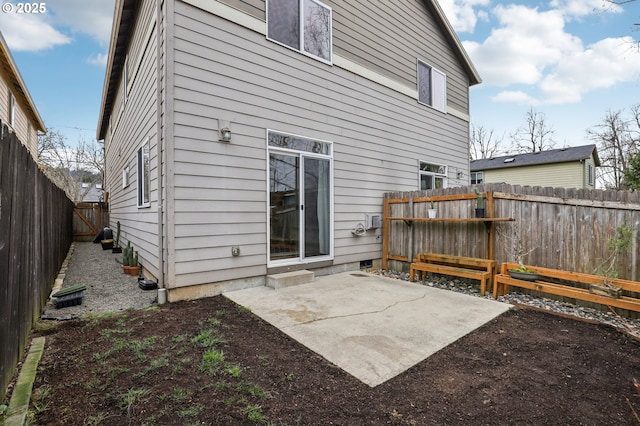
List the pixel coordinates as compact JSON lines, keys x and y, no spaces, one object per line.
{"x":108,"y":288}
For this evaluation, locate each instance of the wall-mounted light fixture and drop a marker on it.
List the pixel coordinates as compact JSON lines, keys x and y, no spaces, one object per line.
{"x":224,"y":131}
{"x":459,"y":175}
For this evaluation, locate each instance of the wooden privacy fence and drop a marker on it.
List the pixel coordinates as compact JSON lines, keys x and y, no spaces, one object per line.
{"x":567,"y":229}
{"x":88,"y":219}
{"x":35,"y":236}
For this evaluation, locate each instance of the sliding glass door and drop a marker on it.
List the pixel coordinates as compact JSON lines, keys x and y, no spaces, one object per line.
{"x":300,"y":224}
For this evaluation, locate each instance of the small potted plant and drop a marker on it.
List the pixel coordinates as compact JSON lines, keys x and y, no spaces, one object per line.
{"x":479,"y":204}
{"x":130,"y":263}
{"x":431,"y":212}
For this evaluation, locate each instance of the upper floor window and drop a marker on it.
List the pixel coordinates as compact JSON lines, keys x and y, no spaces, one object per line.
{"x":432,"y":87}
{"x":303,"y":25}
{"x":477,"y":178}
{"x":432,"y":176}
{"x":12,"y":110}
{"x":591,"y":176}
{"x":143,"y":175}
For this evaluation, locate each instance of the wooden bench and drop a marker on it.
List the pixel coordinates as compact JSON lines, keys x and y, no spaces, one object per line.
{"x":459,"y":266}
{"x":503,"y":281}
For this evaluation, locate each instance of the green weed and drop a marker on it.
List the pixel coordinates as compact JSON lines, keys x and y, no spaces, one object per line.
{"x":254,"y":413}
{"x":207,"y":339}
{"x":95,"y":420}
{"x":233,"y":370}
{"x":118,"y":345}
{"x":212,"y":361}
{"x":192,"y":411}
{"x":130,"y":398}
{"x":155,"y":364}
{"x":179,"y":338}
{"x":179,"y":395}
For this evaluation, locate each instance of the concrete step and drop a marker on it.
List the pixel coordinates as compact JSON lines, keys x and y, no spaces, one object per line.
{"x":288,"y":279}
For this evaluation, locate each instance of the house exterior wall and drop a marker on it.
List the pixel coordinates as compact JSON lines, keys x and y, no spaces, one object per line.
{"x":563,"y":175}
{"x":388,"y":38}
{"x":217,"y":66}
{"x":131,"y":124}
{"x":224,"y":71}
{"x":24,"y":129}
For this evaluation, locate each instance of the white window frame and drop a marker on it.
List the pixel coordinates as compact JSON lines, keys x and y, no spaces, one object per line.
{"x":309,"y":153}
{"x":301,"y":48}
{"x":143,"y":173}
{"x":474,"y":178}
{"x":590,"y":174}
{"x":437,"y":87}
{"x":435,"y":175}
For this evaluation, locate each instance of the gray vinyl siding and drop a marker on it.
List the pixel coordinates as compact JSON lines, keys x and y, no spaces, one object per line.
{"x":22,"y":127}
{"x":255,"y":8}
{"x":380,"y":35}
{"x":223,"y":71}
{"x":132,"y":123}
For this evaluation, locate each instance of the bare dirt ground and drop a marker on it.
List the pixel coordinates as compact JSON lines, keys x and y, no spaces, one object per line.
{"x":211,"y":362}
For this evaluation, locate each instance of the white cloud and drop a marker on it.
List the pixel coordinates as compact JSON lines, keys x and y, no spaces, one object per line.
{"x":515,"y":96}
{"x":580,"y":8}
{"x":525,"y":43}
{"x":94,"y":20}
{"x":602,"y":65}
{"x":462,"y":13}
{"x":30,"y":32}
{"x":532,"y":47}
{"x":62,"y":20}
{"x":98,"y":59}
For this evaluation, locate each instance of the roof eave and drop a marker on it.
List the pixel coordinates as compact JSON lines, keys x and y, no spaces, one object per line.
{"x":474,"y":76}
{"x":20,"y":85}
{"x":124,"y":13}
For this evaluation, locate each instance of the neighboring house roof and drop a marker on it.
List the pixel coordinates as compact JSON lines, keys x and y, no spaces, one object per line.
{"x":17,"y":85}
{"x":124,"y":19}
{"x":91,"y":192}
{"x":562,"y":155}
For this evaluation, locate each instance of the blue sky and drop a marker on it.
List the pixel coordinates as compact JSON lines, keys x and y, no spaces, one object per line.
{"x":571,"y":60}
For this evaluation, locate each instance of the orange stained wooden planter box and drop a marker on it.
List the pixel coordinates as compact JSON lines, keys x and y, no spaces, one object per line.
{"x":459,"y":266}
{"x":503,"y":281}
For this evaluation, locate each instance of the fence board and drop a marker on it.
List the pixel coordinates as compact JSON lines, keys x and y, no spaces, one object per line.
{"x":36,"y":224}
{"x":570,"y":228}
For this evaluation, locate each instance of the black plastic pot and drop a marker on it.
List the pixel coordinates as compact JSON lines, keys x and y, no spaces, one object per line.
{"x":479,"y":213}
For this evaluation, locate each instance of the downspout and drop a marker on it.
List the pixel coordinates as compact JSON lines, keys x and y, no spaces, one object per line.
{"x":162,"y":295}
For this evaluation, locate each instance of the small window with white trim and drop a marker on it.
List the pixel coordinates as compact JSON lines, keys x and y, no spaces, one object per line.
{"x":477,"y":178}
{"x":143,"y":175}
{"x":302,"y":25}
{"x":432,"y":87}
{"x":432,"y":176}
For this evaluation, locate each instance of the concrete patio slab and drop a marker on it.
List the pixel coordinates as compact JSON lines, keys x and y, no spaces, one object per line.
{"x":371,"y":326}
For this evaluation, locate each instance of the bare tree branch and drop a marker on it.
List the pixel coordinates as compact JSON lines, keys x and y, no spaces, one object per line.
{"x":483,"y":143}
{"x":618,"y":140}
{"x":67,"y":166}
{"x":535,"y":135}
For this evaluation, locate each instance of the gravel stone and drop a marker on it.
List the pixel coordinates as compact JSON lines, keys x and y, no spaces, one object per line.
{"x":631,"y":326}
{"x":108,"y":288}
